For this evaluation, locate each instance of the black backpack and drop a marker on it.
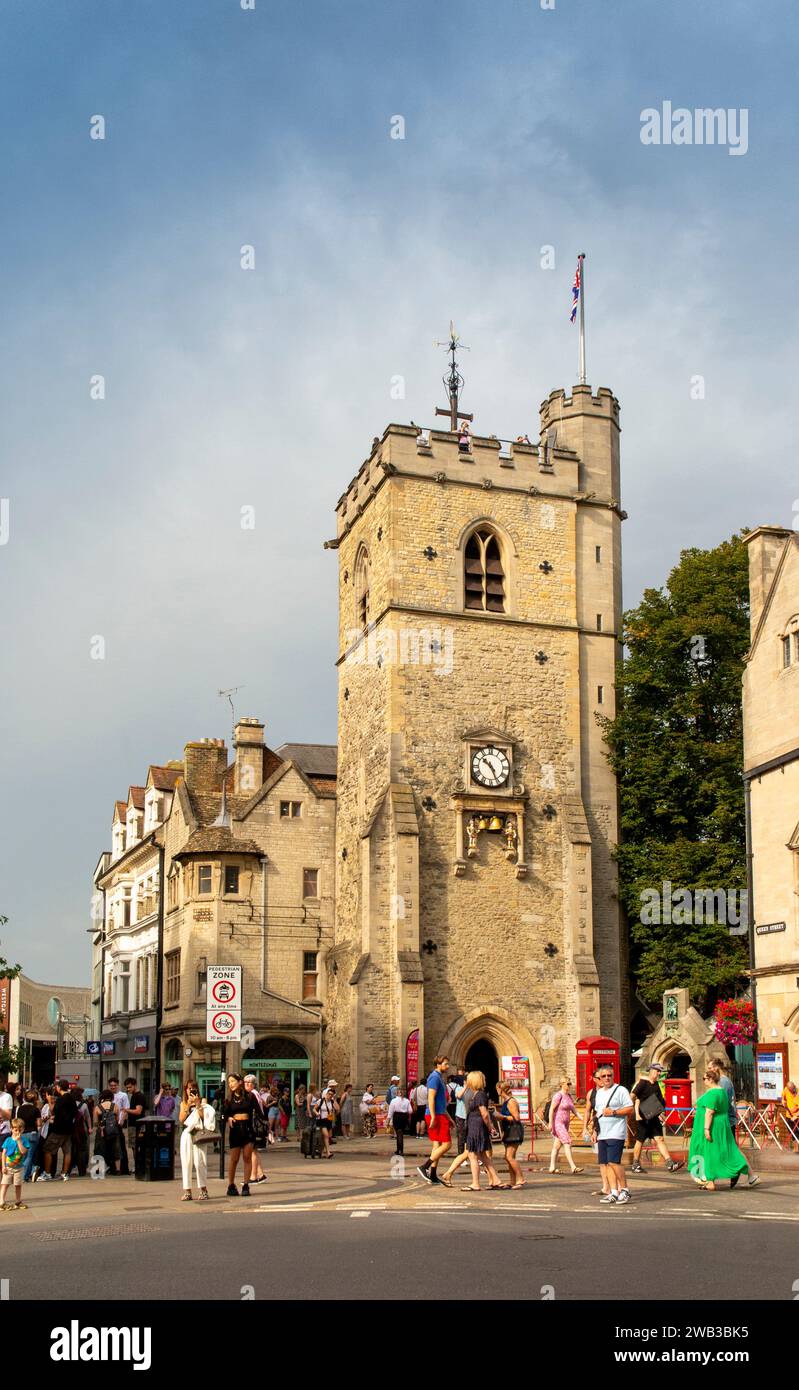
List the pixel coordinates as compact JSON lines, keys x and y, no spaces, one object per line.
{"x":109,"y":1124}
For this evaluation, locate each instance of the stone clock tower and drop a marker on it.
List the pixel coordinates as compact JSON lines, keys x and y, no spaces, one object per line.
{"x":479,"y":612}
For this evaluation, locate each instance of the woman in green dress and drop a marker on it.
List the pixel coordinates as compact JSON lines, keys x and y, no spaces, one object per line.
{"x":713,"y":1152}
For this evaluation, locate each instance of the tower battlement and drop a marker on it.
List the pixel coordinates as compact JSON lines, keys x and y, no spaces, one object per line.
{"x":551,"y":467}
{"x":582,"y":401}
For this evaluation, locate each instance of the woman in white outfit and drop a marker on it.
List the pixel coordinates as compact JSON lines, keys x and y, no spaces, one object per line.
{"x":194,"y":1113}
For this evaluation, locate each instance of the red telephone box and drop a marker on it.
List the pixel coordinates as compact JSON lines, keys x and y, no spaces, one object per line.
{"x":590,"y":1053}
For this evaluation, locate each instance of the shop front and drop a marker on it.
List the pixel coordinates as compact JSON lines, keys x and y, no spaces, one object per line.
{"x":130,"y":1049}
{"x":279,"y":1061}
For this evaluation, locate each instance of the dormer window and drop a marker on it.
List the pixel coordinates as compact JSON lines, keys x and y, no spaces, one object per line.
{"x":118,"y":839}
{"x":484,"y":575}
{"x":152,"y":813}
{"x":132,"y":829}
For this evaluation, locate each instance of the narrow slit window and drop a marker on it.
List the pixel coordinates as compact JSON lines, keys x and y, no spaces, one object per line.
{"x":600,"y":694}
{"x":598,"y":554}
{"x":362,"y":589}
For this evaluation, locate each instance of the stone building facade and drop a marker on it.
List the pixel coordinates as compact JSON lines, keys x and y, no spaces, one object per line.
{"x":129,"y":882}
{"x":445,"y":875}
{"x":248,"y":873}
{"x":479,"y":613}
{"x":771,"y":780}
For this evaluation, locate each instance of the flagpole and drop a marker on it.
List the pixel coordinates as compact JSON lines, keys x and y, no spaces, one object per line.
{"x":581,"y":259}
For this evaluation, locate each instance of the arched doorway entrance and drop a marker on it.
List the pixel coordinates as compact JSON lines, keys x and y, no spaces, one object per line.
{"x":280,"y":1061}
{"x":679,"y":1066}
{"x":482,"y":1056}
{"x":486,"y":1034}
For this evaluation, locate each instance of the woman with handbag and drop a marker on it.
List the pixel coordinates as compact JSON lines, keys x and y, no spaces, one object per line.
{"x":199,"y":1130}
{"x":560,"y":1112}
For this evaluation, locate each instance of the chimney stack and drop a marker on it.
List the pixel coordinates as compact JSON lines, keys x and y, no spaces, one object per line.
{"x":205,"y":761}
{"x":765,"y":546}
{"x":248,"y":741}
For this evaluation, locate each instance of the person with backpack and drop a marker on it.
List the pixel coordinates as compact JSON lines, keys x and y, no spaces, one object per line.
{"x":609,"y":1104}
{"x":558,"y":1119}
{"x":107,"y":1133}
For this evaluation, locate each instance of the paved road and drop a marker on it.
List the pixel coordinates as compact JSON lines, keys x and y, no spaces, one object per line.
{"x":349,"y":1229}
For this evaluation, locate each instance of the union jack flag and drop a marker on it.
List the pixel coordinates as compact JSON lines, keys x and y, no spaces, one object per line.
{"x":575,"y":293}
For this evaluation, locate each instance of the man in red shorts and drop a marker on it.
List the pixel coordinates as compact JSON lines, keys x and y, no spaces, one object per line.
{"x":436,"y":1118}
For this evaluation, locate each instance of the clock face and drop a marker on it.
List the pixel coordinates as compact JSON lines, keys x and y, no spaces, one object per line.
{"x":490,"y":766}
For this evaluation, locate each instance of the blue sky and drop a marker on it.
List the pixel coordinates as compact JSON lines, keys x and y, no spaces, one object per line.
{"x":227,"y":387}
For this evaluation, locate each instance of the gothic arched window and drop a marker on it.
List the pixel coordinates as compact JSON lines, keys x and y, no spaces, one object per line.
{"x":362,"y":588}
{"x":484,"y":576}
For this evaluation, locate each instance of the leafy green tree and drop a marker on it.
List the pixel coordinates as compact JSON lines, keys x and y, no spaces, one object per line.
{"x":676,"y":745}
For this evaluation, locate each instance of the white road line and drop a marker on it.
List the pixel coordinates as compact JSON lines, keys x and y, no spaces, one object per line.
{"x":765,"y":1216}
{"x":276,"y":1206}
{"x":451,"y":1206}
{"x":694,"y":1211}
{"x":360,"y":1213}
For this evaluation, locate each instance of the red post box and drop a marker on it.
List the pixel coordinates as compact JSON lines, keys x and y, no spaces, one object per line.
{"x":678,"y":1095}
{"x":590,"y":1053}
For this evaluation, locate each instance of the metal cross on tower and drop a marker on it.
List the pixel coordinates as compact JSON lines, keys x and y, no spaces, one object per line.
{"x":453,"y":381}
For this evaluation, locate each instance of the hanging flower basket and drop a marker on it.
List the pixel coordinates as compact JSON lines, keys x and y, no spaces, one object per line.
{"x":734,"y":1021}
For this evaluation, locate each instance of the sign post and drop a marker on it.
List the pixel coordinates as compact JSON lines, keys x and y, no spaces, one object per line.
{"x":771,"y":1068}
{"x":516,"y":1070}
{"x":223,"y":1004}
{"x":223,"y":1025}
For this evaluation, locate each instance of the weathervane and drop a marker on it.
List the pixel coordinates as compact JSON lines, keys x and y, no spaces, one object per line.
{"x":453,"y":382}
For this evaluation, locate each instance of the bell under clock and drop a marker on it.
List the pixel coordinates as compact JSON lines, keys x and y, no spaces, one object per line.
{"x":490,"y":766}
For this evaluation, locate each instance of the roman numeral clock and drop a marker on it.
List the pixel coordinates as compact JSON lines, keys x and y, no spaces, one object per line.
{"x":488,"y":801}
{"x":490,"y":766}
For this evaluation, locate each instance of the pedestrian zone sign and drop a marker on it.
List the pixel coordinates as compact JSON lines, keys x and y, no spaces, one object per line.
{"x":223,"y":1004}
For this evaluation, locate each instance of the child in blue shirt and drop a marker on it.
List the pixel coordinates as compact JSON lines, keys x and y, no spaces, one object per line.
{"x":14,"y":1152}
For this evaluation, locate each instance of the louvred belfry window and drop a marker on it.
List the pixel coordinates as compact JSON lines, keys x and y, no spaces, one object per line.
{"x":483,"y":574}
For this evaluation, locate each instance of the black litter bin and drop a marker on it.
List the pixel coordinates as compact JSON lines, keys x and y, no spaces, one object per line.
{"x":154,"y":1149}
